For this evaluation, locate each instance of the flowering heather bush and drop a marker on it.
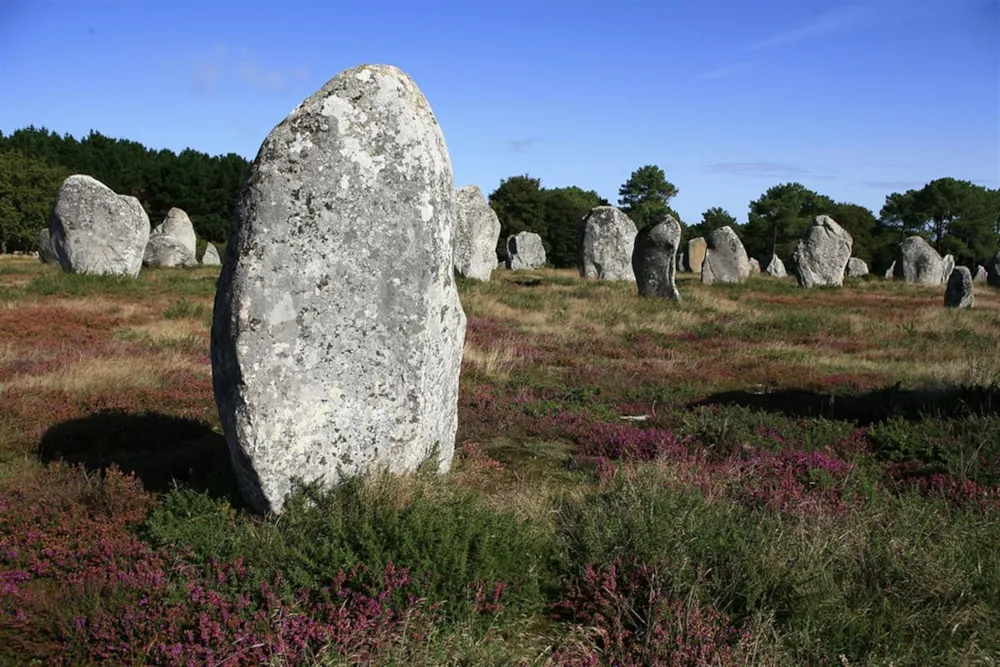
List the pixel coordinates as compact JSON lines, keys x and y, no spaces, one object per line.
{"x":635,"y":622}
{"x":790,"y":481}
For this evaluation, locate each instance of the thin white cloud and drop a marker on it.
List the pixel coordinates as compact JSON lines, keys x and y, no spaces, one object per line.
{"x":726,"y":71}
{"x":522,"y":145}
{"x":773,"y":170}
{"x":834,"y":21}
{"x":212,"y":70}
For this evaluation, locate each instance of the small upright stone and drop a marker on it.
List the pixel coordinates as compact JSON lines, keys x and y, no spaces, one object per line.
{"x":695,"y":255}
{"x":822,"y":253}
{"x":890,"y":272}
{"x":525,"y":251}
{"x":918,"y":263}
{"x":726,"y":259}
{"x":654,"y":259}
{"x":211,"y":256}
{"x":959,"y":293}
{"x":338,"y":333}
{"x":856,"y":268}
{"x":776,"y":268}
{"x":993,"y":271}
{"x":95,"y":231}
{"x":754,"y":266}
{"x":166,"y":251}
{"x":46,"y":252}
{"x":178,"y":225}
{"x":476,"y":233}
{"x":947,"y":266}
{"x":607,"y":238}
{"x":981,"y":274}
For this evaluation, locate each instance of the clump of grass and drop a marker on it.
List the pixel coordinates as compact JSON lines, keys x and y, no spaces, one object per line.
{"x":184,"y":309}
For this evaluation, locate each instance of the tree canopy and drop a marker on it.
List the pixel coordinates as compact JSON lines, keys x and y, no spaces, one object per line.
{"x":646,"y":196}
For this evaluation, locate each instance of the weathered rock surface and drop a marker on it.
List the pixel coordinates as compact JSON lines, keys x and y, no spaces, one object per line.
{"x":338,"y":333}
{"x":726,"y":259}
{"x":959,"y":293}
{"x":46,"y":252}
{"x":211,"y":256}
{"x":917,"y":262}
{"x":477,"y":229}
{"x":890,"y":272}
{"x":654,"y":259}
{"x":947,"y":266}
{"x":993,"y":271}
{"x":525,"y":251}
{"x":695,"y":255}
{"x":166,"y":251}
{"x":776,"y":268}
{"x":856,"y":268}
{"x":980,"y":274}
{"x":95,"y":231}
{"x":754,"y":266}
{"x":178,"y":224}
{"x":607,"y":238}
{"x":822,"y":253}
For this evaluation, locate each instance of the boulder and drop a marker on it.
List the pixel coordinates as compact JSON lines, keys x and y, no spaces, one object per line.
{"x":776,"y":268}
{"x":822,"y":253}
{"x":695,"y":255}
{"x":338,"y":333}
{"x":46,"y":252}
{"x":726,"y":259}
{"x":95,"y":231}
{"x":654,"y":259}
{"x":890,"y":272}
{"x":525,"y":251}
{"x":856,"y":268}
{"x":178,"y":224}
{"x":959,"y":293}
{"x":917,"y":262}
{"x":477,"y":229}
{"x":993,"y":271}
{"x":980,"y":274}
{"x":211,"y":256}
{"x":607,"y":238}
{"x":947,"y":266}
{"x":754,"y":266}
{"x":166,"y":251}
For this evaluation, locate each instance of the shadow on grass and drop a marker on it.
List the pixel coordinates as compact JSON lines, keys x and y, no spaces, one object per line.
{"x":161,"y":450}
{"x":866,"y":408}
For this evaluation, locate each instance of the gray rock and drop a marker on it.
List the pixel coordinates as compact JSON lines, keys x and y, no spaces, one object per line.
{"x":856,"y":268}
{"x":993,"y":271}
{"x":890,"y":272}
{"x":947,"y":266}
{"x":980,"y":274}
{"x":165,"y":251}
{"x":695,"y":255}
{"x":776,"y":268}
{"x":338,"y":333}
{"x":959,"y":293}
{"x":654,"y":259}
{"x":95,"y":231}
{"x":822,"y":253}
{"x":477,"y":229}
{"x":726,"y":259}
{"x":46,"y":252}
{"x":678,"y":263}
{"x":178,"y":224}
{"x":525,"y":251}
{"x":607,"y":238}
{"x":211,"y":256}
{"x":918,"y":263}
{"x":754,"y":266}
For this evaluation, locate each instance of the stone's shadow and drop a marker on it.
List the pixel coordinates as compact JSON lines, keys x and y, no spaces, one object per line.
{"x":527,"y":282}
{"x":163,"y":451}
{"x":866,"y":408}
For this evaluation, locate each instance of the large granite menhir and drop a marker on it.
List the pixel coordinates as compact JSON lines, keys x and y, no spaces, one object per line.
{"x":918,"y":262}
{"x":477,"y":229}
{"x":607,"y":238}
{"x":525,"y":251}
{"x":726,"y":259}
{"x":653,"y":259}
{"x":822,"y":254}
{"x":338,"y":333}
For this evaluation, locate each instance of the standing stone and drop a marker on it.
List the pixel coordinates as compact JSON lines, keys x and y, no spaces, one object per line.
{"x":178,"y":225}
{"x":678,"y":263}
{"x":46,"y":252}
{"x":856,"y":268}
{"x":166,"y":251}
{"x":754,"y":266}
{"x":525,"y":251}
{"x":890,"y":272}
{"x":211,"y":256}
{"x":993,"y":271}
{"x":695,"y":255}
{"x":947,"y":266}
{"x":959,"y":293}
{"x":776,"y":268}
{"x":95,"y":231}
{"x":822,"y":253}
{"x":338,"y":333}
{"x":477,"y":229}
{"x":980,"y":274}
{"x":607,"y":238}
{"x":654,"y":259}
{"x":917,"y":262}
{"x":726,"y":259}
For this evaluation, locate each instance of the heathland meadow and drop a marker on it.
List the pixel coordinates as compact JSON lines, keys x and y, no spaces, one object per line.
{"x":758,"y":475}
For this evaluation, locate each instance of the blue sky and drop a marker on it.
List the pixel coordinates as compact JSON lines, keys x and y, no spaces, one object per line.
{"x":852,"y":99}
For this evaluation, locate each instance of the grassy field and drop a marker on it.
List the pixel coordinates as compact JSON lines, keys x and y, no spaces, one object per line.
{"x":760,"y":475}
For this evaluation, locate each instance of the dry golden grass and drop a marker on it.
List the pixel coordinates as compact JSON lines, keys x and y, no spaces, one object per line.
{"x":89,"y":375}
{"x":495,"y":361}
{"x":164,"y":331}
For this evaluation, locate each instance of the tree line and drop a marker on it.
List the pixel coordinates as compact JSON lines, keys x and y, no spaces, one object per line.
{"x":955,"y":216}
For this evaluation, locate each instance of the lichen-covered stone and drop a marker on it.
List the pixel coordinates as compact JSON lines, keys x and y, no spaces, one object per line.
{"x":654,"y":259}
{"x":822,"y":253}
{"x":726,"y":259}
{"x":981,"y":274}
{"x":95,"y":231}
{"x":477,"y":229}
{"x":959,"y":293}
{"x":166,"y":251}
{"x":46,"y":252}
{"x":211,"y":256}
{"x":525,"y":251}
{"x":695,"y":255}
{"x":947,"y":266}
{"x":338,"y":333}
{"x":754,"y":266}
{"x":856,"y":268}
{"x":891,"y":271}
{"x":178,"y":224}
{"x":607,"y":238}
{"x":918,"y":263}
{"x":776,"y":268}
